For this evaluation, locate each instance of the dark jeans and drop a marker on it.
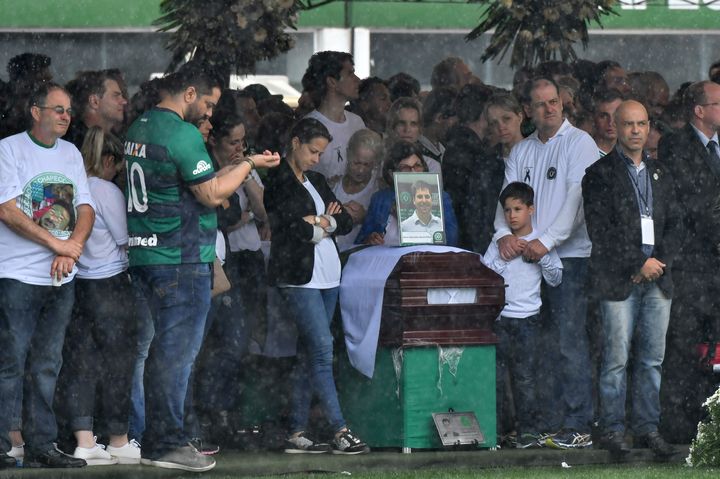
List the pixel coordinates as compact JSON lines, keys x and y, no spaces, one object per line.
{"x":100,"y":350}
{"x":32,"y":329}
{"x":234,"y":316}
{"x":246,"y":272}
{"x":517,"y":353}
{"x":565,"y":390}
{"x":178,"y":298}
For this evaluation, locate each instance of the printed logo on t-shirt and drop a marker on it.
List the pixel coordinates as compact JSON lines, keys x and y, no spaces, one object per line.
{"x":202,"y":167}
{"x":551,"y":173}
{"x":49,"y":200}
{"x":526,"y":175}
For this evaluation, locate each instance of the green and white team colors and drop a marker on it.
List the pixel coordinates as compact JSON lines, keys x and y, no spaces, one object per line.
{"x":166,"y":224}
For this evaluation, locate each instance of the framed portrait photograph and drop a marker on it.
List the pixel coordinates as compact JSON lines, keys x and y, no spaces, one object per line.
{"x":419,"y":208}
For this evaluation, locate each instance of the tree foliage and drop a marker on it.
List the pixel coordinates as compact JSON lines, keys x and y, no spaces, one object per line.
{"x":538,"y":30}
{"x":233,"y":35}
{"x":230,"y":35}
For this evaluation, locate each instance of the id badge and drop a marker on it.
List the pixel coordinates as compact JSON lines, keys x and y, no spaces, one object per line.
{"x":648,"y":231}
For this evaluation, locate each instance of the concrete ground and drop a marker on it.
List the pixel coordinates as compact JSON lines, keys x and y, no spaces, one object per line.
{"x":253,"y":464}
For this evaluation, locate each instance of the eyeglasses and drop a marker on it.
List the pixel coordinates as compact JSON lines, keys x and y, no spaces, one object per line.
{"x":715,"y":103}
{"x":57,"y":109}
{"x":408,"y":168}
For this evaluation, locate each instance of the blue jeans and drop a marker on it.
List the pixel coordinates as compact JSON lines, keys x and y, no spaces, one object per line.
{"x":567,"y":353}
{"x":33,"y":320}
{"x":640,"y":322}
{"x":145,"y":333}
{"x":313,"y":310}
{"x":517,"y":353}
{"x":178,"y":298}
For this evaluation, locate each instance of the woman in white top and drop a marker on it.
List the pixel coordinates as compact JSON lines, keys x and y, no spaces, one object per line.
{"x":100,"y":342}
{"x":304,"y":263}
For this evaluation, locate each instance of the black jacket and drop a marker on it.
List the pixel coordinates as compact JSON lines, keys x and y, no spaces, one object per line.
{"x":473,"y":174}
{"x":613,"y":223}
{"x":292,"y":254}
{"x":698,"y":188}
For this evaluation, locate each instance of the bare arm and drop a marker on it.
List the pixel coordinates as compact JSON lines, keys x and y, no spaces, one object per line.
{"x":22,"y":225}
{"x":211,"y":193}
{"x":255,"y":199}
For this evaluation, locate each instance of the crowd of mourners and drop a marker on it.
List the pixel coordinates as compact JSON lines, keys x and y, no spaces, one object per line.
{"x":132,"y":228}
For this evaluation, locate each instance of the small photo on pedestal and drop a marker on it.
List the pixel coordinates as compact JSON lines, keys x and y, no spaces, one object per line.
{"x":419,"y":208}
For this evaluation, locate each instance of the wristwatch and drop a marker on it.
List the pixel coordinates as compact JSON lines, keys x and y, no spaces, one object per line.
{"x":317,"y":220}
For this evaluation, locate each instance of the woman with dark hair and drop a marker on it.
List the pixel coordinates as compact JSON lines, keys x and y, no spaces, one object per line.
{"x":235,"y":313}
{"x":381,"y":223}
{"x":305,"y":265}
{"x":100,"y":342}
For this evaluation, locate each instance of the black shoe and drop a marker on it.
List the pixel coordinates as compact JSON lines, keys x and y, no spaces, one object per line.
{"x":348,"y":443}
{"x":659,"y":446}
{"x":614,"y":442}
{"x":6,"y":461}
{"x":51,"y":458}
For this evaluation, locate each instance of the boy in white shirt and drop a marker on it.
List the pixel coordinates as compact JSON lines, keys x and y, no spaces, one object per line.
{"x":518,"y":326}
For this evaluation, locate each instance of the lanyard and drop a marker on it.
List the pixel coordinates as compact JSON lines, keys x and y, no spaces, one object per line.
{"x":636,"y":184}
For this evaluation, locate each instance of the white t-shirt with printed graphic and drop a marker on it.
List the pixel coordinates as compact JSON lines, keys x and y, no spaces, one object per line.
{"x":333,"y":161}
{"x":48,"y":184}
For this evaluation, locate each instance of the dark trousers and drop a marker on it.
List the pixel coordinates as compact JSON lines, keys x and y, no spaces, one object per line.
{"x":100,"y":350}
{"x":693,"y":319}
{"x":565,"y":387}
{"x":232,"y":319}
{"x":517,"y":352}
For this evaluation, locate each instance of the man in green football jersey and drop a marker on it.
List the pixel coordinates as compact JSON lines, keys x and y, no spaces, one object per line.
{"x":173,"y":191}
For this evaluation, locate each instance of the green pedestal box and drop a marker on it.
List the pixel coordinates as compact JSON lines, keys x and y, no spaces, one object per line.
{"x":395,"y":409}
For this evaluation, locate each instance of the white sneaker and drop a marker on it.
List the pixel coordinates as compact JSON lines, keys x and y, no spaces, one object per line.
{"x":95,"y":456}
{"x":18,"y":452}
{"x":127,"y":454}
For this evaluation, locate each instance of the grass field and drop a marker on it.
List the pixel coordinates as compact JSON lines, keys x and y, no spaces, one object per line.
{"x":577,"y":472}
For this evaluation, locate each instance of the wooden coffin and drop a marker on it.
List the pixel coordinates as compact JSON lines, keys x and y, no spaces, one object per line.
{"x":408,"y":319}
